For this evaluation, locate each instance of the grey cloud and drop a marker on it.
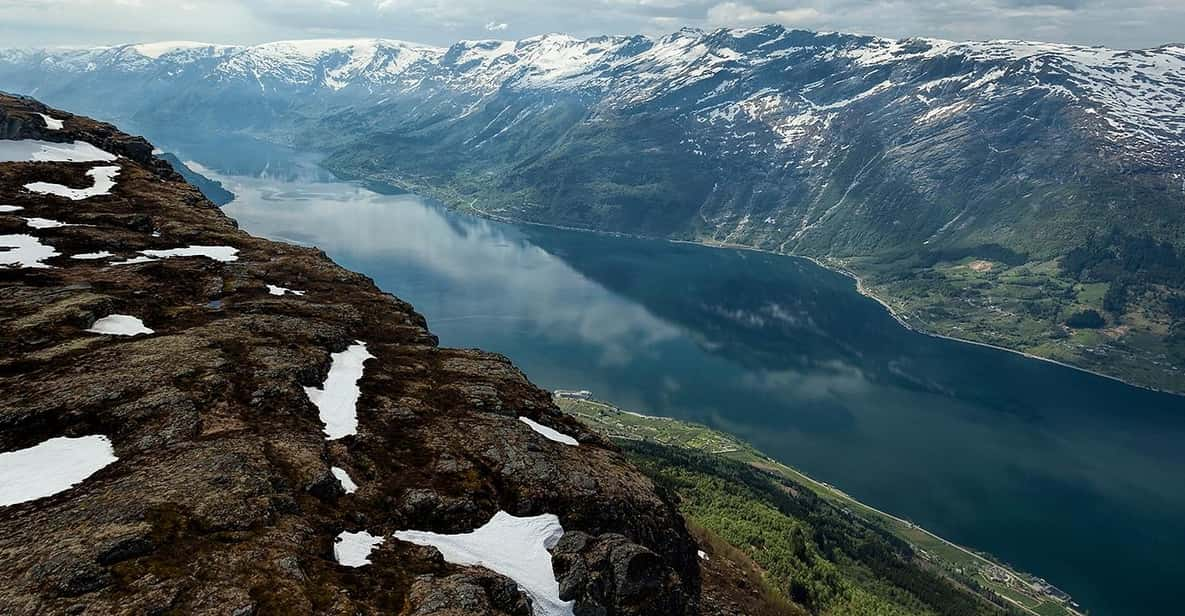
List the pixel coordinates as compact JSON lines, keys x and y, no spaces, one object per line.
{"x":55,"y":22}
{"x":1064,"y":4}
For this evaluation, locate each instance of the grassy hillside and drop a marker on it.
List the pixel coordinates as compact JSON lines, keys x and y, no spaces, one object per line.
{"x":817,"y":547}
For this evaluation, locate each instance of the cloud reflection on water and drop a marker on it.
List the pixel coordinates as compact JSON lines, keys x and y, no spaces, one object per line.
{"x":520,"y":281}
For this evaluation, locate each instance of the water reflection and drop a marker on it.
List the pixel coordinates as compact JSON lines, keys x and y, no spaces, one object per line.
{"x":1061,"y":472}
{"x":508,"y":281}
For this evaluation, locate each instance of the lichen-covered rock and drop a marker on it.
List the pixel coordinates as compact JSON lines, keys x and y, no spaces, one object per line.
{"x":610,"y":575}
{"x":460,"y":594}
{"x":222,"y":499}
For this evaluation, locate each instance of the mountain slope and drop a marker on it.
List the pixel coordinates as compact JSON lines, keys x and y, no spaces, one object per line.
{"x":194,"y":420}
{"x":904,"y":161}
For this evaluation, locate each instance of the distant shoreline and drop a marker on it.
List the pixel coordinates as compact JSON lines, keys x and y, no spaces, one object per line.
{"x":861,"y":288}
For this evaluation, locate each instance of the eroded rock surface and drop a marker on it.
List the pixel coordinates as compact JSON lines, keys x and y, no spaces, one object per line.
{"x":222,"y":500}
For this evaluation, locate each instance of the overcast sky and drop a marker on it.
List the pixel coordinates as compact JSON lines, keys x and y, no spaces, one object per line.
{"x":1116,"y":23}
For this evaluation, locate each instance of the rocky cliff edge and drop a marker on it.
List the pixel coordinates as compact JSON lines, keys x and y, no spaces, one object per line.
{"x":207,"y":361}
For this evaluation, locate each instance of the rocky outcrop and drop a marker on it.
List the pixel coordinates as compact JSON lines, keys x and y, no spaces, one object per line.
{"x":612,"y":570}
{"x":223,"y":499}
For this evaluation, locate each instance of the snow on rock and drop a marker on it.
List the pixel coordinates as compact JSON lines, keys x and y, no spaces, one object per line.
{"x":514,"y":547}
{"x":104,"y":181}
{"x":34,"y":151}
{"x":45,"y":223}
{"x":337,"y":398}
{"x":119,"y":325}
{"x":353,"y":549}
{"x":50,"y":467}
{"x":549,"y":433}
{"x":225,"y":254}
{"x":166,"y":48}
{"x":344,"y":478}
{"x":92,"y":256}
{"x":702,"y":555}
{"x":330,"y":63}
{"x":938,"y":113}
{"x":24,"y":251}
{"x":275,"y":290}
{"x":4,"y":209}
{"x":51,"y":123}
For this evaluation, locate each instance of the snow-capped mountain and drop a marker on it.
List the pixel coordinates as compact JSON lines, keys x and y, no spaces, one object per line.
{"x":1136,"y":95}
{"x":813,"y":142}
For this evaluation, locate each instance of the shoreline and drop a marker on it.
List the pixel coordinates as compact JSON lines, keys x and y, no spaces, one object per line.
{"x":836,"y":493}
{"x":861,"y":288}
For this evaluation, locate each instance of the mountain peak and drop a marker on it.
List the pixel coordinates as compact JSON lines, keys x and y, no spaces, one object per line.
{"x":161,"y":48}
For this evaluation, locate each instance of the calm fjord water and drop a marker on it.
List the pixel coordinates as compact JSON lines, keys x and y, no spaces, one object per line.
{"x":1075,"y":477}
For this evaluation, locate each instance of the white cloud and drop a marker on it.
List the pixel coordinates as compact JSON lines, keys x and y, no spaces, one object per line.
{"x":740,"y":14}
{"x":494,"y":26}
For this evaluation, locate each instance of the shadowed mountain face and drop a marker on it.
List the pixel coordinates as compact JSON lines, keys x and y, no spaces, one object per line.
{"x":202,"y":367}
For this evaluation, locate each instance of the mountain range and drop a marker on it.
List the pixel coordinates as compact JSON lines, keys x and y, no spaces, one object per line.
{"x":1026,"y":195}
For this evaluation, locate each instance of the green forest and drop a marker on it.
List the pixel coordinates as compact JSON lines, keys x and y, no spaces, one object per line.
{"x":821,"y":557}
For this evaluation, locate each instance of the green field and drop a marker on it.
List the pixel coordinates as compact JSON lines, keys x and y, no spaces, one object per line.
{"x":713,"y":497}
{"x":1024,"y":308}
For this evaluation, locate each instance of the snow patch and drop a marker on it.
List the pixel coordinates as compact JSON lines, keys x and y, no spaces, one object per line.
{"x":224,"y":254}
{"x":275,"y":290}
{"x":353,"y":549}
{"x":119,"y":325}
{"x":549,"y":433}
{"x":337,"y":398}
{"x":45,"y":223}
{"x":92,"y":256}
{"x":938,"y":113}
{"x":4,"y":209}
{"x":514,"y":547}
{"x":50,"y":467}
{"x":104,"y":181}
{"x":24,"y":251}
{"x":35,"y":151}
{"x":344,"y":478}
{"x":51,"y":123}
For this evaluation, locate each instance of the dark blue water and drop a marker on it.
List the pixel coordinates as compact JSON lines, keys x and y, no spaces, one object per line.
{"x":1074,"y":477}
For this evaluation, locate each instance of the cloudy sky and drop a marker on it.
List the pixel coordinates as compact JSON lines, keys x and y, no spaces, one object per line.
{"x":1116,"y":23}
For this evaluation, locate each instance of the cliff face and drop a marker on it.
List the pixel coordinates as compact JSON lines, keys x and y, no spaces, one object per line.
{"x":225,"y":494}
